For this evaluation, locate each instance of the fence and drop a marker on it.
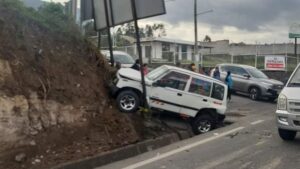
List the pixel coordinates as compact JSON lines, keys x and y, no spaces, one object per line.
{"x":207,"y":60}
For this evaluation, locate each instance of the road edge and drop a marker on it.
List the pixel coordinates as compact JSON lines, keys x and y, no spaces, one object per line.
{"x":124,"y":152}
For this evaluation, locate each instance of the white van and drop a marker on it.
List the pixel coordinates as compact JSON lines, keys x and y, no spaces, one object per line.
{"x":199,"y":98}
{"x":288,"y":108}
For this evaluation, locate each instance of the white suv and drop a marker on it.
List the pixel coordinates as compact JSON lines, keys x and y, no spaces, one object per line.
{"x":123,"y":58}
{"x":288,"y":108}
{"x":201,"y":98}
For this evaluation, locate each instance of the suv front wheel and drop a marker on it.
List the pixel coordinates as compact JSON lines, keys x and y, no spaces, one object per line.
{"x":203,"y":123}
{"x":287,"y":135}
{"x":128,"y":101}
{"x":254,"y":93}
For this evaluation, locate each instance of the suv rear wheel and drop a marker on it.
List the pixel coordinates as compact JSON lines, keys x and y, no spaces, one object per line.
{"x":287,"y":135}
{"x":254,"y":93}
{"x":128,"y":101}
{"x":203,"y":123}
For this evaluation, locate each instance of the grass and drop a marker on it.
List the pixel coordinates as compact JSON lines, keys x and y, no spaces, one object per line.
{"x":50,"y":16}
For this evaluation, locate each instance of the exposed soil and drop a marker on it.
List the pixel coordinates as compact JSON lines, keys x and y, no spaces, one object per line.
{"x":64,"y":68}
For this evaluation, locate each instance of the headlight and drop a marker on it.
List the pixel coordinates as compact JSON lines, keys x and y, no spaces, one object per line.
{"x":282,"y":102}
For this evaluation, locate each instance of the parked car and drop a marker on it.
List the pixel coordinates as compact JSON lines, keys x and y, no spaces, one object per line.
{"x":288,"y":108}
{"x":200,"y":98}
{"x":120,"y":57}
{"x":249,"y":80}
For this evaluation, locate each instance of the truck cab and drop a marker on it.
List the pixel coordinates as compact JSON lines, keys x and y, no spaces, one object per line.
{"x":288,"y":108}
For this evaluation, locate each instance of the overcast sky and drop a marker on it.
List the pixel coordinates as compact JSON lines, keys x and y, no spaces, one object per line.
{"x":250,"y":21}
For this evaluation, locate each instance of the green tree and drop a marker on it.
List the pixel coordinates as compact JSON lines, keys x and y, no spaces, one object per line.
{"x":207,"y":39}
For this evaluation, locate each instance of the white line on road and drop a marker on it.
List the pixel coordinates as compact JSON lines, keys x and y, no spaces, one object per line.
{"x":257,"y":122}
{"x":273,"y":164}
{"x":181,"y":149}
{"x":224,"y":159}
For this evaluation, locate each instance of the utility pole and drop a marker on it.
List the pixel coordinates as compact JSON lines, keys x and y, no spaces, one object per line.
{"x":196,"y":34}
{"x":296,"y":55}
{"x":196,"y":51}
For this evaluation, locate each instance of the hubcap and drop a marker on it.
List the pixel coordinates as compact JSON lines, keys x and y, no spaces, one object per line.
{"x":127,"y":102}
{"x":253,"y":94}
{"x":204,"y":126}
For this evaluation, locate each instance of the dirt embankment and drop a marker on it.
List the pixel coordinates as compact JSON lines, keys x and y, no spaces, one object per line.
{"x":54,"y":105}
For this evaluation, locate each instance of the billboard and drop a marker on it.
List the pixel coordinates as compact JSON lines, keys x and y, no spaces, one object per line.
{"x":121,"y":11}
{"x":275,"y":62}
{"x":86,"y":10}
{"x":100,"y":15}
{"x":294,"y":30}
{"x":146,"y":8}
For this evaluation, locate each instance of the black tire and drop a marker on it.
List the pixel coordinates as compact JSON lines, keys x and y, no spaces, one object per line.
{"x":272,"y":99}
{"x":287,"y":135}
{"x":128,"y":101}
{"x":203,"y":123}
{"x":254,"y":93}
{"x":221,"y":118}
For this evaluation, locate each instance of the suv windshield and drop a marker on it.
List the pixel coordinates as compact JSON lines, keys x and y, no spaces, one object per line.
{"x":123,"y":59}
{"x":295,"y":80}
{"x":257,"y":73}
{"x":157,"y":73}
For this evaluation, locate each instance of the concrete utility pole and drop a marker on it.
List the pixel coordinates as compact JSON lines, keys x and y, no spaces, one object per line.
{"x":196,"y":51}
{"x":296,"y":55}
{"x":196,"y":34}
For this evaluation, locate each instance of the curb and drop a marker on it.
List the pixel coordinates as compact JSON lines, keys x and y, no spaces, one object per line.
{"x":125,"y":152}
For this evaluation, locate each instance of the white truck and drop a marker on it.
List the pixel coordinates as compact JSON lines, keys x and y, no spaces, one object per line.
{"x":288,"y":108}
{"x":200,"y":98}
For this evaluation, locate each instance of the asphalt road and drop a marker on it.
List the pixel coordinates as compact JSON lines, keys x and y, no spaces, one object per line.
{"x":251,"y":142}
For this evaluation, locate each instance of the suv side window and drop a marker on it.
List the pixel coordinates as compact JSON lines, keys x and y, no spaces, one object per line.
{"x":201,"y":87}
{"x":224,"y":68}
{"x":175,"y":80}
{"x":218,"y":91}
{"x":240,"y":71}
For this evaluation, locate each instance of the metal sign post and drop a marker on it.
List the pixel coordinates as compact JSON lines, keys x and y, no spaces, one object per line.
{"x":109,"y":35}
{"x":294,"y":32}
{"x":139,"y":48}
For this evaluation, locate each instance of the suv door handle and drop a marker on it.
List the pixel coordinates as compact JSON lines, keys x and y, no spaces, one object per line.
{"x":205,"y":100}
{"x":179,"y":94}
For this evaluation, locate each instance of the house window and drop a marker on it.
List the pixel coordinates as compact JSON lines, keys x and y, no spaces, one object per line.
{"x":166,"y":53}
{"x":148,"y":51}
{"x":184,"y":52}
{"x":166,"y":47}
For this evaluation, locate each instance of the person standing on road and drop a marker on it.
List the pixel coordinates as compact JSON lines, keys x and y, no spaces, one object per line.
{"x":201,"y":71}
{"x":217,"y":74}
{"x":229,"y":83}
{"x":192,"y":67}
{"x":136,"y":65}
{"x":145,"y":69}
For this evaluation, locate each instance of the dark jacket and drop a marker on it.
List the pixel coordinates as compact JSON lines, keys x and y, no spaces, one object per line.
{"x":136,"y":67}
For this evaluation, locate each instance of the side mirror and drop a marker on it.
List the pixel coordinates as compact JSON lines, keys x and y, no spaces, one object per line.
{"x":246,"y":76}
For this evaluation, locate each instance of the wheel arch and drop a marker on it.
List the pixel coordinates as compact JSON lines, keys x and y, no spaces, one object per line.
{"x":253,"y":86}
{"x":209,"y":111}
{"x":138,"y":92}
